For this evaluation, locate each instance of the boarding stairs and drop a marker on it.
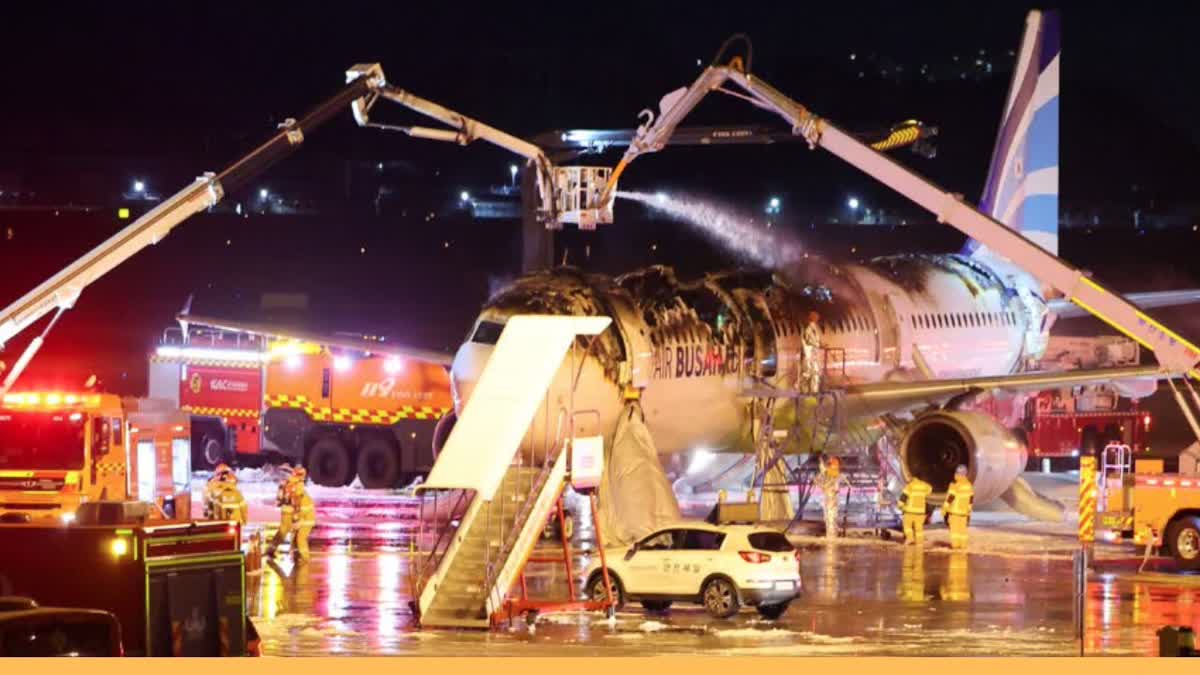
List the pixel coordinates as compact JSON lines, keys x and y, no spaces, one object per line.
{"x":501,"y":476}
{"x":492,"y":541}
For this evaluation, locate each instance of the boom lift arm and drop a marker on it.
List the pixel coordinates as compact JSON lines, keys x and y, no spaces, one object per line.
{"x":59,"y":292}
{"x":1175,"y":355}
{"x":565,"y":194}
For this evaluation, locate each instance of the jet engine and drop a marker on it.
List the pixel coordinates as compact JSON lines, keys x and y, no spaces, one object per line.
{"x":937,"y":443}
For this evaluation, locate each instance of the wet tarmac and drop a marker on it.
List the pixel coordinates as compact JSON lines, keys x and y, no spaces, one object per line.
{"x":879,"y":599}
{"x":1010,"y":594}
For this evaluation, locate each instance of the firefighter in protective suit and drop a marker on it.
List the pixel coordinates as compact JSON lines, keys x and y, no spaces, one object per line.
{"x":811,"y":351}
{"x":305,"y":514}
{"x":214,"y":486}
{"x":226,"y":501}
{"x":283,"y":499}
{"x":831,"y":480}
{"x":957,"y":507}
{"x":912,"y":504}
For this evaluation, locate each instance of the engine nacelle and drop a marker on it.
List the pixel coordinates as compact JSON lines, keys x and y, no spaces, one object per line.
{"x":937,"y":443}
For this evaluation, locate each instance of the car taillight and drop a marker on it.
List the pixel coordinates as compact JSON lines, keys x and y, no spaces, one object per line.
{"x":754,"y":556}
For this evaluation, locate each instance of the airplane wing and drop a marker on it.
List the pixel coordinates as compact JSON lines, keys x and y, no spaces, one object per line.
{"x":344,"y":342}
{"x":1065,"y":309}
{"x":883,"y":397}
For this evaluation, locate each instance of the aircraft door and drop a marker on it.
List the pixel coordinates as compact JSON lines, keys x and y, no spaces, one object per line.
{"x":896,"y":332}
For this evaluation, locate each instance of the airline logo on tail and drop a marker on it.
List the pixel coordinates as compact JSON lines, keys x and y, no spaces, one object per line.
{"x":1022,"y":184}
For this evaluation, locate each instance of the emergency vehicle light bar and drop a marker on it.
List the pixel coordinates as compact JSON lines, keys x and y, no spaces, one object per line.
{"x":51,"y":399}
{"x":211,"y":354}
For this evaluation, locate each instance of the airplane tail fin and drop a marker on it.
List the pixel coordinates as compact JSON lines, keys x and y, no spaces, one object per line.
{"x":1022,"y":183}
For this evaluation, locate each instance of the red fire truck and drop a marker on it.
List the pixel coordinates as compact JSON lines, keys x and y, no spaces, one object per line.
{"x":1060,"y":426}
{"x":342,"y":407}
{"x":60,"y":450}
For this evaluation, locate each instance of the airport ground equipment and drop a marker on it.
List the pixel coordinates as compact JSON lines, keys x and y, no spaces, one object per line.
{"x":62,"y":450}
{"x":499,"y":484}
{"x":1138,"y":502}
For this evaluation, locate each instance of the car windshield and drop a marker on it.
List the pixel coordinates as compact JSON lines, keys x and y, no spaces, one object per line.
{"x":775,"y":542}
{"x":32,"y":441}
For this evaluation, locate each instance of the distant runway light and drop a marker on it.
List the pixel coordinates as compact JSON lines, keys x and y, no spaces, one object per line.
{"x":263,"y":194}
{"x":852,"y":203}
{"x":464,"y":196}
{"x":139,"y":186}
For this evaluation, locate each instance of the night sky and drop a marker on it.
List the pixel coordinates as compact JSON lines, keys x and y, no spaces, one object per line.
{"x":161,"y":92}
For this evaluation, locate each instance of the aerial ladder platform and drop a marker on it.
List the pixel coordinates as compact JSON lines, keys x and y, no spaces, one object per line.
{"x":501,"y":486}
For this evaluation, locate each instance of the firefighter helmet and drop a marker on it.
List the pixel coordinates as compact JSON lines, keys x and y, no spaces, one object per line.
{"x":300,"y":474}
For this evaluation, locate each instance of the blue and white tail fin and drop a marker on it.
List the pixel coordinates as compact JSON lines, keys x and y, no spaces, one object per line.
{"x":1022,"y":183}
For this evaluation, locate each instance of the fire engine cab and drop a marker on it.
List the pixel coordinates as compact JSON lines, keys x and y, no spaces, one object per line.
{"x":60,"y":450}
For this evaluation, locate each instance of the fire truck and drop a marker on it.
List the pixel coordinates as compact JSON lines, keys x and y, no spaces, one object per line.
{"x":176,"y":588}
{"x":1150,"y":507}
{"x":341,"y":407}
{"x":1062,"y":425}
{"x":60,"y":450}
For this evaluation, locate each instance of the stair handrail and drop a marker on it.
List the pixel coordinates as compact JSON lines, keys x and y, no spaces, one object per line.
{"x":434,"y":559}
{"x":509,"y":539}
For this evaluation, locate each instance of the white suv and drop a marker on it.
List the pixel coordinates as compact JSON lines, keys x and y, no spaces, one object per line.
{"x":720,"y":567}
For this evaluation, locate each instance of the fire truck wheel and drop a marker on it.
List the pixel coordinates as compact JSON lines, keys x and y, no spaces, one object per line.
{"x":1183,"y":536}
{"x":378,"y":464}
{"x":214,"y":451}
{"x":329,"y":462}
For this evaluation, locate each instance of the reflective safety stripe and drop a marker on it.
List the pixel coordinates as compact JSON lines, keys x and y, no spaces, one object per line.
{"x":110,"y":467}
{"x":220,"y":412}
{"x":354,"y":415}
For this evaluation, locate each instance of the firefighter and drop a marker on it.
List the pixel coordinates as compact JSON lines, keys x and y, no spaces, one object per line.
{"x":283,"y":499}
{"x":811,"y":341}
{"x":213,"y":488}
{"x":957,"y":508}
{"x":912,"y":503}
{"x":228,"y":501}
{"x":305,"y":514}
{"x":831,"y":480}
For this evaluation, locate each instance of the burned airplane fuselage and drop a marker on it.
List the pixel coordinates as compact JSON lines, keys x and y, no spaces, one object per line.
{"x":693,"y":348}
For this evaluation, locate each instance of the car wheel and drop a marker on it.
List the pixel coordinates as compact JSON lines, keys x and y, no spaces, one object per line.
{"x":595,"y":590}
{"x":1183,"y":535}
{"x":772,"y":612}
{"x":329,"y":463}
{"x":720,"y":599}
{"x":656,"y":605}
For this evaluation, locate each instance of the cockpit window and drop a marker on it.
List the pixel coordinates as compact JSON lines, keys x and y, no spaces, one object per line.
{"x":488,"y":332}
